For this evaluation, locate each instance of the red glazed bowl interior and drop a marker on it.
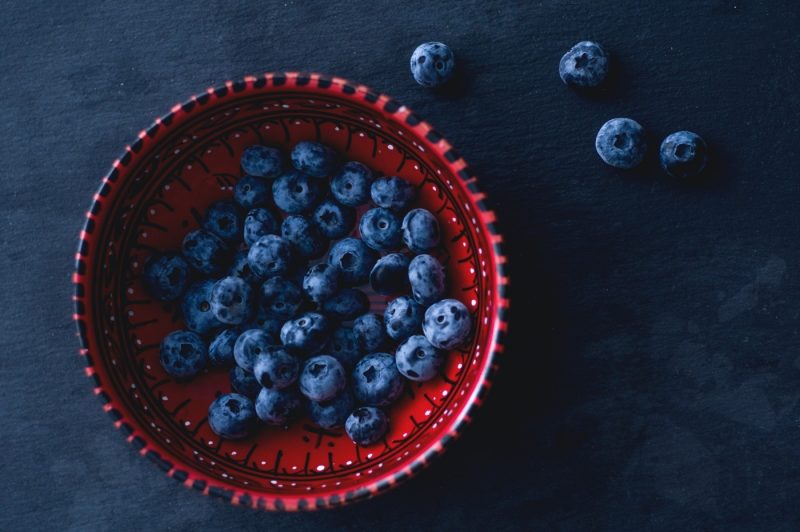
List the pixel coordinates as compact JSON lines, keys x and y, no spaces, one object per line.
{"x":156,"y":192}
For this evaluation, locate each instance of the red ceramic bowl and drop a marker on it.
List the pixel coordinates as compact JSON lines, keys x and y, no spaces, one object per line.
{"x":153,"y":195}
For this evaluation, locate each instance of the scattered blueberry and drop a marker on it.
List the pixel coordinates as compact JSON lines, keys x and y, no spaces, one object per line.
{"x":276,"y":368}
{"x":196,"y":308}
{"x":314,"y":159}
{"x":278,"y":407}
{"x":304,"y":234}
{"x":280,"y":298}
{"x":447,"y":324}
{"x":432,"y":64}
{"x":251,"y":192}
{"x":262,"y":161}
{"x":426,"y":276}
{"x":333,"y":413}
{"x":295,"y":192}
{"x":584,"y":65}
{"x":621,"y":143}
{"x":351,"y":186}
{"x":183,"y":354}
{"x":322,"y":378}
{"x":241,"y":268}
{"x":393,"y":193}
{"x":224,"y":219}
{"x":354,"y":259}
{"x":166,"y":276}
{"x":220,"y":351}
{"x":376,"y":381}
{"x":390,"y":274}
{"x":259,"y":222}
{"x":270,"y":255}
{"x":370,"y":332}
{"x":231,"y":416}
{"x":420,"y":230}
{"x":683,"y":154}
{"x":346,"y":304}
{"x":244,"y":382}
{"x":334,"y":220}
{"x":417,"y":359}
{"x":321,"y":282}
{"x":231,"y":300}
{"x":380,"y":229}
{"x":249,"y":345}
{"x":343,"y":346}
{"x":403,"y":317}
{"x":306,"y":333}
{"x":205,"y":252}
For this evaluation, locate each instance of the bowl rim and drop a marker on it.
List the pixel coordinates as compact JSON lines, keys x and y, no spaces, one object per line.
{"x":431,"y":139}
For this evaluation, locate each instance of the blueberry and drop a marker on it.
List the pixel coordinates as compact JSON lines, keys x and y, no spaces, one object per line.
{"x":351,"y":185}
{"x":432,"y":64}
{"x":420,"y":230}
{"x":354,"y":259}
{"x":276,"y":368}
{"x":683,"y":154}
{"x":403,"y":317}
{"x":278,"y":407}
{"x":251,"y":192}
{"x":346,"y":304}
{"x":322,"y":378}
{"x":447,"y":324}
{"x":232,"y":416}
{"x":249,"y":345}
{"x":334,"y":220}
{"x":258,"y":223}
{"x":306,"y":333}
{"x":196,"y":308}
{"x":166,"y":276}
{"x":621,"y":143}
{"x":205,"y":252}
{"x":321,"y":282}
{"x":244,"y":382}
{"x":295,"y":192}
{"x":366,"y":425}
{"x":390,"y":274}
{"x":584,"y":65}
{"x":426,"y":276}
{"x":331,"y":414}
{"x":376,"y":381}
{"x":241,"y":268}
{"x":260,"y":320}
{"x":280,"y":298}
{"x":314,"y":159}
{"x":220,"y":351}
{"x":183,"y":354}
{"x":270,"y":255}
{"x":304,"y":234}
{"x":417,"y":359}
{"x":393,"y":193}
{"x":343,"y":346}
{"x":224,"y":219}
{"x":262,"y":161}
{"x":370,"y":332}
{"x":231,"y":300}
{"x":380,"y":229}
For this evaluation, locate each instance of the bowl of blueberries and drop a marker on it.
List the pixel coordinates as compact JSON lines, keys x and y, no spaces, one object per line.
{"x":290,"y":293}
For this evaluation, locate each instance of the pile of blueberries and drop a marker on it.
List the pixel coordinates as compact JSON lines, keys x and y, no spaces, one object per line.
{"x":257,"y":295}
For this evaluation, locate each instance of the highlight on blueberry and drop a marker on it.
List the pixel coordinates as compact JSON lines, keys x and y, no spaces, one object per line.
{"x":432,"y":64}
{"x":584,"y":65}
{"x":683,"y":154}
{"x":621,"y":143}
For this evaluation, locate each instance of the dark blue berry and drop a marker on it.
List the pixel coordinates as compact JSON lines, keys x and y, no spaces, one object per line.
{"x":380,"y":229}
{"x":280,"y":298}
{"x":296,"y":193}
{"x":314,"y":159}
{"x":420,"y":230}
{"x":241,"y":268}
{"x":260,"y":320}
{"x":306,"y":333}
{"x":331,"y":414}
{"x":370,"y":332}
{"x":447,"y":324}
{"x":166,"y":276}
{"x":346,"y":304}
{"x":276,"y":368}
{"x":621,"y":143}
{"x":244,"y":382}
{"x":224,"y":219}
{"x":683,"y":154}
{"x":426,"y":276}
{"x":205,"y":252}
{"x":366,"y":425}
{"x":343,"y":346}
{"x":231,"y":300}
{"x":220,"y":351}
{"x":262,"y":161}
{"x":403,"y":317}
{"x":376,"y":381}
{"x":321,"y":282}
{"x":351,"y":185}
{"x":390,"y":274}
{"x":584,"y":65}
{"x":354,"y":259}
{"x":432,"y":64}
{"x":334,"y":220}
{"x":278,"y":407}
{"x":304,"y":235}
{"x":417,"y":359}
{"x":232,"y":416}
{"x":196,"y":308}
{"x":258,"y":223}
{"x":270,"y":255}
{"x":249,"y":345}
{"x":252,"y":192}
{"x":183,"y":354}
{"x":322,"y":378}
{"x":393,"y":193}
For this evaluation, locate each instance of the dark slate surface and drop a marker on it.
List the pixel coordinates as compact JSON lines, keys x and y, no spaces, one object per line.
{"x":651,"y":379}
